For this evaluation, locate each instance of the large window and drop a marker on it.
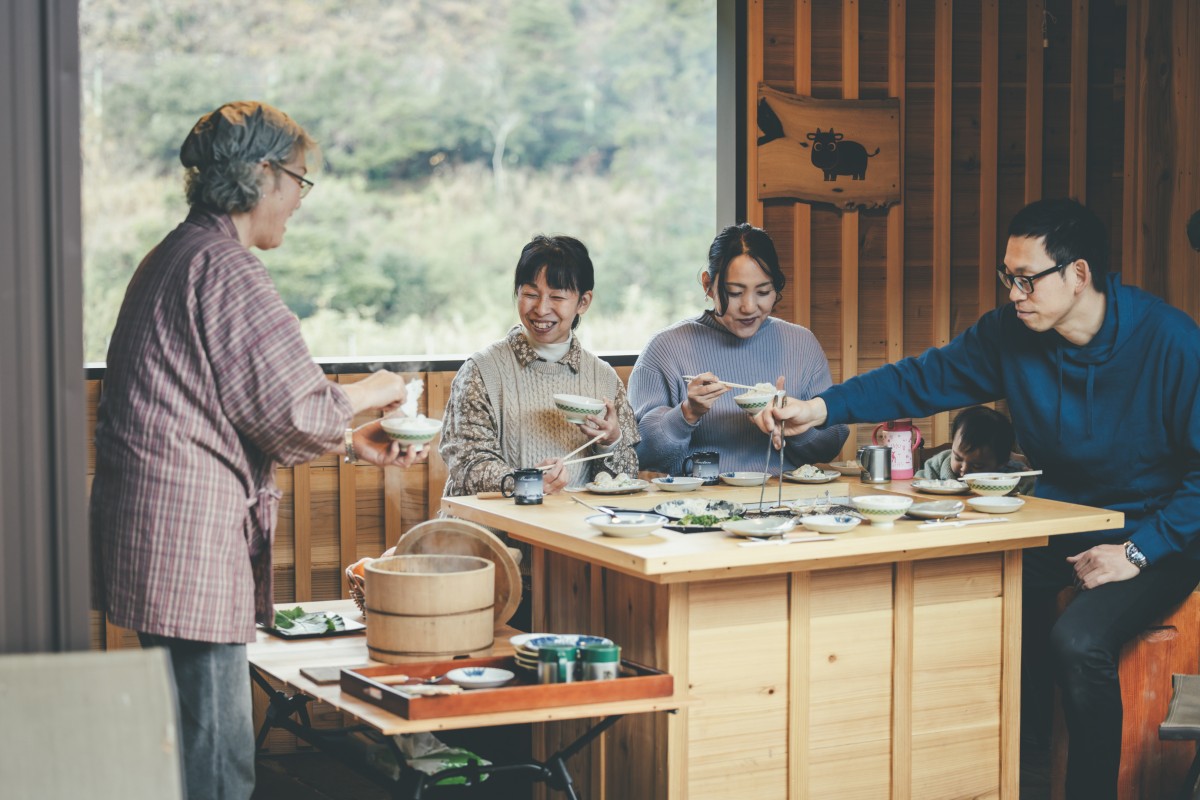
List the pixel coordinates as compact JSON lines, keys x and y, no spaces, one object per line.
{"x":452,"y":131}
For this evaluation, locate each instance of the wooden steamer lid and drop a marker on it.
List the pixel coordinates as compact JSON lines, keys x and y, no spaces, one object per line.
{"x":458,"y":537}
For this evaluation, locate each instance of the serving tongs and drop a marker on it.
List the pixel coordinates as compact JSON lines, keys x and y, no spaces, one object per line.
{"x":777,"y":400}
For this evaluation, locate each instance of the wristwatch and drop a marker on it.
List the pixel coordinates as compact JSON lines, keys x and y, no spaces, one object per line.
{"x":1135,"y":556}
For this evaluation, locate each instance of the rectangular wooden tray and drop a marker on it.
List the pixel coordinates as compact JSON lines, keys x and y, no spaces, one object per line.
{"x":636,"y":682}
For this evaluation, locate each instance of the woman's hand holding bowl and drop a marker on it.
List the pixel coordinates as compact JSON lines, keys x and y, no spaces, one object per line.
{"x":595,"y":425}
{"x":702,"y":392}
{"x":555,"y":478}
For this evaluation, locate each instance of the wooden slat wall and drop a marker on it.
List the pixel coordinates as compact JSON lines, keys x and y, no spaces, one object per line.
{"x":1001,"y":104}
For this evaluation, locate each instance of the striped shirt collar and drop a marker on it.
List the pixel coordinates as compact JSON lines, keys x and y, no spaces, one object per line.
{"x":204,"y":218}
{"x":526,"y":355}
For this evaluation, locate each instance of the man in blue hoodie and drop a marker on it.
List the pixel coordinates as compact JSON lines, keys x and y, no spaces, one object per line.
{"x":1103,"y":385}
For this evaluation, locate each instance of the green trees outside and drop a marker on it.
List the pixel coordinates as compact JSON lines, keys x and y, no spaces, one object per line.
{"x":451,"y":131}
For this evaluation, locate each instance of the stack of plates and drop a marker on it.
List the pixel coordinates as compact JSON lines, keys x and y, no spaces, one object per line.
{"x":527,"y":644}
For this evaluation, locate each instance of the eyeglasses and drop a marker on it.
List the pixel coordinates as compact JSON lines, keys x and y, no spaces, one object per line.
{"x":305,"y":184}
{"x":1025,"y":282}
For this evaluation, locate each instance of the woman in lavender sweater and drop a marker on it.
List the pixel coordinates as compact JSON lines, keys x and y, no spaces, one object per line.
{"x":737,"y":340}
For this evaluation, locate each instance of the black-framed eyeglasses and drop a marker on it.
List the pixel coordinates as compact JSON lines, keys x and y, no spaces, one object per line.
{"x":305,"y":184}
{"x":1025,"y":282}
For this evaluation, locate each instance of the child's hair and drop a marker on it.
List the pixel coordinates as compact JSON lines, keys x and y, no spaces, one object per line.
{"x":981,"y":426}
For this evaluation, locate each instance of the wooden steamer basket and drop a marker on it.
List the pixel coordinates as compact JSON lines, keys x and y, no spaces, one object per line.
{"x":422,"y":605}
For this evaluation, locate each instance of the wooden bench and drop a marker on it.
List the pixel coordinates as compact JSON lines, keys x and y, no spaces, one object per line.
{"x":1151,"y":769}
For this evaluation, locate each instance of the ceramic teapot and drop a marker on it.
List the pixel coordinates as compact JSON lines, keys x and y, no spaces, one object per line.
{"x":904,"y":438}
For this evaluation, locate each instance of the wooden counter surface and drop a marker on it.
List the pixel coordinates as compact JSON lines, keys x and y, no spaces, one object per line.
{"x":669,"y":556}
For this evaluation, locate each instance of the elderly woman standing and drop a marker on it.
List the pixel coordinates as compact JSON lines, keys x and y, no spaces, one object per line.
{"x":501,"y":413}
{"x":738,"y":340}
{"x":209,"y":385}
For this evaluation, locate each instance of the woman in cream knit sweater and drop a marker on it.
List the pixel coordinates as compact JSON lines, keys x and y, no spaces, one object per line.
{"x":501,"y":414}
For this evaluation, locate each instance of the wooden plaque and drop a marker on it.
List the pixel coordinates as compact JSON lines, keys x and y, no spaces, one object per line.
{"x":843,"y":152}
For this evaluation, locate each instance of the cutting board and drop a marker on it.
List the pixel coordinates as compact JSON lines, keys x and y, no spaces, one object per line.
{"x":459,"y":537}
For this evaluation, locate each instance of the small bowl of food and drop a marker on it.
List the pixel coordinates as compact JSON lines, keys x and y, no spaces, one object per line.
{"x":682,"y":483}
{"x":755,"y":400}
{"x":626,"y":524}
{"x":411,"y":430}
{"x":830,"y":523}
{"x":744,"y":478}
{"x":995,"y":505}
{"x":881,"y":509}
{"x":992,"y":484}
{"x":576,"y":407}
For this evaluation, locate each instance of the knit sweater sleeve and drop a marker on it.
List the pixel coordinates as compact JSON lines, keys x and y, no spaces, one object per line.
{"x":470,"y":443}
{"x":654,"y":395}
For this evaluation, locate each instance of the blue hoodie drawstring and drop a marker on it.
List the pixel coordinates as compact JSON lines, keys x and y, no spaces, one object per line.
{"x":1090,"y":379}
{"x":1059,"y":362}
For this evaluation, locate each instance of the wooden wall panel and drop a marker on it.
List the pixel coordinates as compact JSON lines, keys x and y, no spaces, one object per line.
{"x":991,"y":118}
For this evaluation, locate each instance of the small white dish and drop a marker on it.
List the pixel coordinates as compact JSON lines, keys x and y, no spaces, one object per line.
{"x":993,"y":484}
{"x":995,"y":505}
{"x":881,"y":509}
{"x":847,"y":467}
{"x":936,"y":509}
{"x":933,"y":486}
{"x":632,"y":486}
{"x":744,"y":478}
{"x":820,"y":476}
{"x":683,"y":483}
{"x":479,"y":677}
{"x":830,"y":523}
{"x":761,"y":528}
{"x":626,"y":525}
{"x":576,"y":407}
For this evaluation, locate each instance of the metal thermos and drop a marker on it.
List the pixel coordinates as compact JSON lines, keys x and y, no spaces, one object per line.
{"x":876,"y":463}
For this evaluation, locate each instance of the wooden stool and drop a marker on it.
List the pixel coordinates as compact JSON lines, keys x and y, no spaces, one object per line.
{"x":1151,"y":769}
{"x":1183,"y":724}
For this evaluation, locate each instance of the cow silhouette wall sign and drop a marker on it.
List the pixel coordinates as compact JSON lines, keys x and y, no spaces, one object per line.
{"x":844,"y":152}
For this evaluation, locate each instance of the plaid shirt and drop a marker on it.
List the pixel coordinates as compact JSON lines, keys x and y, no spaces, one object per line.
{"x":208,"y":386}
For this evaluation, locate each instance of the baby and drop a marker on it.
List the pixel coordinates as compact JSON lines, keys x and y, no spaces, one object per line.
{"x":981,"y":441}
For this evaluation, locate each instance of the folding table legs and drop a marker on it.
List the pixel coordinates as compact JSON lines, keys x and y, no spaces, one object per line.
{"x":553,"y":772}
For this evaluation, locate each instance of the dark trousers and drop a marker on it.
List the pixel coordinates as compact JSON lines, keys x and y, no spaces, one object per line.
{"x":1079,"y":651}
{"x":216,"y":724}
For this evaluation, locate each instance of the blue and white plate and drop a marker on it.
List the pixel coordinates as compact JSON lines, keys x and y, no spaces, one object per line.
{"x":479,"y":677}
{"x":572,"y":639}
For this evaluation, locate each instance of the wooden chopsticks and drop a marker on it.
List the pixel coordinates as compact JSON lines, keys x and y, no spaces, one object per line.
{"x":577,"y":461}
{"x":730,"y":384}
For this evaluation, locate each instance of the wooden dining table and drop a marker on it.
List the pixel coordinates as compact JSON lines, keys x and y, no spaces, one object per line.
{"x":879,"y":663}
